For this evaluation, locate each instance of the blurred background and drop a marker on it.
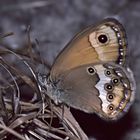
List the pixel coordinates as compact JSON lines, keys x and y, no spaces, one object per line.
{"x":55,"y":22}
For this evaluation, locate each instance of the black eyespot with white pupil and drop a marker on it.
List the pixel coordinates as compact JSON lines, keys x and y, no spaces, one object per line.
{"x":102,"y":38}
{"x":115,"y":80}
{"x":108,"y":87}
{"x":91,"y":70}
{"x":108,"y":73}
{"x":111,"y":107}
{"x":110,"y":97}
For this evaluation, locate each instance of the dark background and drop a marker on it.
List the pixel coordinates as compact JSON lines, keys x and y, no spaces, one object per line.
{"x":55,"y":22}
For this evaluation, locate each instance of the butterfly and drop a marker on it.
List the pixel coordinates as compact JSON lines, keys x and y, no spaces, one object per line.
{"x":90,"y":73}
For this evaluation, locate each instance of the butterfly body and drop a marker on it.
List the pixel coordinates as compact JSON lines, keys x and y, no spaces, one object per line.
{"x":89,"y":75}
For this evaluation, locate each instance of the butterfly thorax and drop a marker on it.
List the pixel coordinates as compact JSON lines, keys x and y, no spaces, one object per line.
{"x":50,"y":89}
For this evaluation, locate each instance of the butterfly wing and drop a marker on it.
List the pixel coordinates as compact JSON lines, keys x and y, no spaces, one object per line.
{"x":106,"y":89}
{"x":105,"y":42}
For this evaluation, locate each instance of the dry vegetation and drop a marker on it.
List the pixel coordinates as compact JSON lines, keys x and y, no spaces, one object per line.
{"x":26,"y":111}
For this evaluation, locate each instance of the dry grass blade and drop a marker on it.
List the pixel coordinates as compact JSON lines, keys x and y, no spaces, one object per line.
{"x":71,"y":123}
{"x":12,"y":132}
{"x":6,"y":35}
{"x":16,"y":95}
{"x":30,"y":116}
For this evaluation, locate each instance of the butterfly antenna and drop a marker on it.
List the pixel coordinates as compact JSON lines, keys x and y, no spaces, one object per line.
{"x":38,"y":52}
{"x":32,"y":59}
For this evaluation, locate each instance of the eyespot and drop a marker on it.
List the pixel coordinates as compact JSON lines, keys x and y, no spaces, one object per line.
{"x":115,"y":81}
{"x":110,"y":97}
{"x":91,"y":70}
{"x":110,"y":107}
{"x":103,"y":38}
{"x":108,"y":87}
{"x":108,"y":72}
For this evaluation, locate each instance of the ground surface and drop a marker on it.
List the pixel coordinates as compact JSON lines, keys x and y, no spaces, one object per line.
{"x":54,"y":23}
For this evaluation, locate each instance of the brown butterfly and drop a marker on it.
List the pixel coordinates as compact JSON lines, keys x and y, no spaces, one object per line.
{"x":89,"y":73}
